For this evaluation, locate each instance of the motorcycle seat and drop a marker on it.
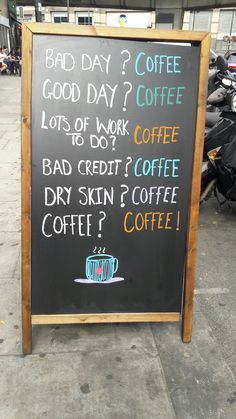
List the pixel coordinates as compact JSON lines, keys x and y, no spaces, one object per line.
{"x":212,"y":75}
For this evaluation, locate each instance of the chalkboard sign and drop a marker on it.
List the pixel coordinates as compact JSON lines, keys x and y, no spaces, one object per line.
{"x":112,"y":127}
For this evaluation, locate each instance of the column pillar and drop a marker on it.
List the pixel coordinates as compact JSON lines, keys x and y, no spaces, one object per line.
{"x":38,"y":10}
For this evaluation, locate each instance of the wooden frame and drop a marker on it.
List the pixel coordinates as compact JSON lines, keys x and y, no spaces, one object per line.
{"x":203,"y":39}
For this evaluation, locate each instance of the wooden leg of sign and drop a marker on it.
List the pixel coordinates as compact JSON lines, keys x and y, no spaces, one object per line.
{"x":26,"y":332}
{"x":26,"y":292}
{"x":26,"y":190}
{"x":187,"y":315}
{"x":26,"y":281}
{"x":187,"y":312}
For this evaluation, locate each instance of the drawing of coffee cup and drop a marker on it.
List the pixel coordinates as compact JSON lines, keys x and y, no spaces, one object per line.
{"x":101,"y":267}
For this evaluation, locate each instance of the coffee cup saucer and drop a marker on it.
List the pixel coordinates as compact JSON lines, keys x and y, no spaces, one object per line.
{"x":90,"y":281}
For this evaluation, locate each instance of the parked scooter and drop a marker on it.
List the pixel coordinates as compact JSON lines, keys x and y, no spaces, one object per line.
{"x":220,"y":130}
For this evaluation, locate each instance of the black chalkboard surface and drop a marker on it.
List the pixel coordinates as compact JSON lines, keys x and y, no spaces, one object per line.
{"x":112,"y":135}
{"x":113,"y":131}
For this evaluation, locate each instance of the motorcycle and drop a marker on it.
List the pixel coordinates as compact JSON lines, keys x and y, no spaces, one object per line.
{"x":220,"y":128}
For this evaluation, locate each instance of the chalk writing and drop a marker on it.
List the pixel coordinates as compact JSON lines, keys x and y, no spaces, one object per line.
{"x":99,"y":132}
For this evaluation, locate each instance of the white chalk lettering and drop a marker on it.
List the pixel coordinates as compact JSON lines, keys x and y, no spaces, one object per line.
{"x":76,"y":138}
{"x":104,"y":95}
{"x":99,"y":167}
{"x":96,"y":196}
{"x":62,"y":167}
{"x":54,"y":197}
{"x":154,"y":195}
{"x":99,"y":62}
{"x":113,"y":127}
{"x":96,"y":141}
{"x":68,"y":224}
{"x":64,"y":61}
{"x":65,"y":91}
{"x":81,"y":124}
{"x":58,"y":122}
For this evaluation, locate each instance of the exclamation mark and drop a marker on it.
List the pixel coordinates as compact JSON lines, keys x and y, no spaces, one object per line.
{"x":178,"y":220}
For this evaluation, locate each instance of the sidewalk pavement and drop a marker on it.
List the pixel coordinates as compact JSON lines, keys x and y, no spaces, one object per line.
{"x":115,"y":371}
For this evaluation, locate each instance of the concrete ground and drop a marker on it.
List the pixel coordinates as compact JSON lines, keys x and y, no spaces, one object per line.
{"x":117,"y":371}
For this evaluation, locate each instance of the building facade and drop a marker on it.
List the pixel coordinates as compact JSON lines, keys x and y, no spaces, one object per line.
{"x":220,"y":22}
{"x":9,"y":27}
{"x":95,"y":16}
{"x":4,"y":24}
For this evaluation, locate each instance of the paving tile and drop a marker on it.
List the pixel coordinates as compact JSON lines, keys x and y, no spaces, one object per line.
{"x":10,"y":183}
{"x":216,"y":267}
{"x":17,"y":269}
{"x":200,"y":382}
{"x":10,"y":216}
{"x":9,"y":126}
{"x":13,"y":145}
{"x":93,"y":337}
{"x":8,"y":119}
{"x":6,"y":157}
{"x":10,"y":317}
{"x":15,"y":114}
{"x":12,"y":135}
{"x":2,"y":133}
{"x":10,"y":171}
{"x":109,"y":384}
{"x":9,"y":192}
{"x":220,"y":310}
{"x":9,"y":253}
{"x":3,"y":143}
{"x":13,"y":109}
{"x":216,"y":226}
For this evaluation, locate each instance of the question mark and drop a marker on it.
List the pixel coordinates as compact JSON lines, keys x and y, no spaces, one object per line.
{"x":129,"y":160}
{"x":113,"y":138}
{"x":123,"y":194}
{"x":100,"y":222}
{"x":125,"y":61}
{"x":126,"y":94}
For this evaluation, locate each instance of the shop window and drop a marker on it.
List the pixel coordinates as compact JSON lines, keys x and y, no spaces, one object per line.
{"x":59,"y":17}
{"x":200,"y":21}
{"x":226,"y":31}
{"x":84,"y":18}
{"x":165,"y":21}
{"x":227,"y":22}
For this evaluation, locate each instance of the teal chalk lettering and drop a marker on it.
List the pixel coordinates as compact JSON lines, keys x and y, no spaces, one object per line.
{"x":159,"y":96}
{"x":171,"y":94}
{"x":175,"y":167}
{"x":179,"y":96}
{"x":156,"y":167}
{"x":140,"y":87}
{"x":137,"y":64}
{"x":160,"y":64}
{"x":177,"y":58}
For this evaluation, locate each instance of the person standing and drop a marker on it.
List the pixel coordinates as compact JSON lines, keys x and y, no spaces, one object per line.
{"x":3,"y":56}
